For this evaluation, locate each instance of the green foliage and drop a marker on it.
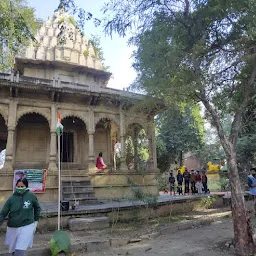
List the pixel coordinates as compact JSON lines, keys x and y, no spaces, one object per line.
{"x":180,"y":128}
{"x":139,"y":195}
{"x":162,"y":181}
{"x":62,"y":20}
{"x":224,"y":184}
{"x":17,"y":27}
{"x":83,"y":15}
{"x":137,"y":152}
{"x":246,"y":150}
{"x":207,"y":201}
{"x":72,"y":21}
{"x":86,"y":53}
{"x":95,"y":43}
{"x":60,"y":242}
{"x":129,"y":151}
{"x":199,"y":51}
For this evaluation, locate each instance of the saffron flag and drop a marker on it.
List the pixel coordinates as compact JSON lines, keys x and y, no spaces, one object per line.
{"x":59,"y":126}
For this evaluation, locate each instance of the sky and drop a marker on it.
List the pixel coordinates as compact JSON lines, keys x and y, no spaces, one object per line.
{"x":117,"y":54}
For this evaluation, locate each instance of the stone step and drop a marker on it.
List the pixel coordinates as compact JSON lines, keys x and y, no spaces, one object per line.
{"x":76,"y":183}
{"x":74,"y":173}
{"x":82,"y":189}
{"x":82,"y":201}
{"x":73,"y":166}
{"x":76,"y":224}
{"x":78,"y":195}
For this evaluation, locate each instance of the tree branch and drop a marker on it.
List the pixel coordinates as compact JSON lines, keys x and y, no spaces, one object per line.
{"x":236,"y":124}
{"x":216,"y":121}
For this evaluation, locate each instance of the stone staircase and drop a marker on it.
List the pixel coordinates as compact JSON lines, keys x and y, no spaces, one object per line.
{"x":77,"y":189}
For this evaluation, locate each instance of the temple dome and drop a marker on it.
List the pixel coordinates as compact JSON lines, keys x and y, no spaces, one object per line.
{"x":60,"y":40}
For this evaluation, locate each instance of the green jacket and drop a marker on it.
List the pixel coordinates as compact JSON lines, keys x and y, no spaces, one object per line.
{"x":23,"y":209}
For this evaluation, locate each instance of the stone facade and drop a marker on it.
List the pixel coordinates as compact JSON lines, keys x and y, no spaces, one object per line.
{"x":67,"y":78}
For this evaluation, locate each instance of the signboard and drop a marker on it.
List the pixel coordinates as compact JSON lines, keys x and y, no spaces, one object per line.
{"x":36,"y":179}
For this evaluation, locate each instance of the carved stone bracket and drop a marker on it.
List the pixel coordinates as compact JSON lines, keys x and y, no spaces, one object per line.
{"x":4,"y":112}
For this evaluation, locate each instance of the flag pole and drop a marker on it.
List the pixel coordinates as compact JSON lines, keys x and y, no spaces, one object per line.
{"x":59,"y":182}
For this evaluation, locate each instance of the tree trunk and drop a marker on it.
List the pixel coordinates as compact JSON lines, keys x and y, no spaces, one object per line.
{"x":243,"y":231}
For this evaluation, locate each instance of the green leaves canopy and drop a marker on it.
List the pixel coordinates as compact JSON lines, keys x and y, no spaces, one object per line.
{"x":180,"y":129}
{"x":17,"y":27}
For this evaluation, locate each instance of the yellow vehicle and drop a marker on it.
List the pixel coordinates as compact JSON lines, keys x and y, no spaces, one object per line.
{"x":214,"y":165}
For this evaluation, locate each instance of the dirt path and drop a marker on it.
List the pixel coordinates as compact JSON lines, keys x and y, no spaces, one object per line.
{"x":201,"y":241}
{"x":206,"y":240}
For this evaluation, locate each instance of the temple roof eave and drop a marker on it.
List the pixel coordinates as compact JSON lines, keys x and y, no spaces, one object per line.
{"x":19,"y":64}
{"x":125,"y":98}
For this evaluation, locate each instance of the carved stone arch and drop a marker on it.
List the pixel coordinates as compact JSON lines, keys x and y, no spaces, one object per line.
{"x":111,"y":117}
{"x":4,"y":112}
{"x":23,"y":110}
{"x":132,"y":120}
{"x":79,"y":115}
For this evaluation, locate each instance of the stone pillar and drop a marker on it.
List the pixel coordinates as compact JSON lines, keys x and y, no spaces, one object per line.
{"x":91,"y":130}
{"x":53,"y":140}
{"x":91,"y":164}
{"x":12,"y":115}
{"x":109,"y":153}
{"x":123,"y":166}
{"x":135,"y":146}
{"x":150,"y":147}
{"x":153,"y":141}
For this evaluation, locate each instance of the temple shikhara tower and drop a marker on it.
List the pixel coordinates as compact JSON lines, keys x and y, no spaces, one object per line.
{"x":61,"y":73}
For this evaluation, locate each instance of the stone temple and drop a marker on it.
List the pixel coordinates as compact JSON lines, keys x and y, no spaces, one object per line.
{"x":61,"y":72}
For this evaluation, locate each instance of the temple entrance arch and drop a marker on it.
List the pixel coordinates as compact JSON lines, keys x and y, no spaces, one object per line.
{"x":74,"y":145}
{"x":3,"y":133}
{"x":105,"y":139}
{"x":32,"y":142}
{"x":137,"y":148}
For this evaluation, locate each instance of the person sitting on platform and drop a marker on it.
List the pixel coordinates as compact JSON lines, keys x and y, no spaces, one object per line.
{"x":100,"y":163}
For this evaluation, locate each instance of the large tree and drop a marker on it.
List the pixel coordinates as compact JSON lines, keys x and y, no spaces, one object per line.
{"x":201,"y":50}
{"x":17,"y":27}
{"x":180,"y":129}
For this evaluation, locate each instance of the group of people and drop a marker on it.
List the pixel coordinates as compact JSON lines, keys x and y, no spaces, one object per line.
{"x":194,"y":182}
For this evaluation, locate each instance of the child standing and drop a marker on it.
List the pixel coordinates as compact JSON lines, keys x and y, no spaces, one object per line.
{"x":198,"y":183}
{"x":172,"y":183}
{"x":204,"y":182}
{"x":186,"y":176}
{"x":179,"y":181}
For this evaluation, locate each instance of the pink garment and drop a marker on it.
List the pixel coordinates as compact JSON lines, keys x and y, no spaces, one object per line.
{"x":100,"y":163}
